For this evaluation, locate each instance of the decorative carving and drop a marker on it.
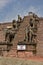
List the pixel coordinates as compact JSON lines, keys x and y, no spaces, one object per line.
{"x":19,"y":19}
{"x":31,"y":30}
{"x":9,"y":36}
{"x":15,"y":24}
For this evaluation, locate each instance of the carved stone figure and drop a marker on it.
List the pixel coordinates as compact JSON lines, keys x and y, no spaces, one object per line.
{"x":9,"y":35}
{"x":19,"y":19}
{"x":13,"y":23}
{"x":26,"y":34}
{"x":31,"y":30}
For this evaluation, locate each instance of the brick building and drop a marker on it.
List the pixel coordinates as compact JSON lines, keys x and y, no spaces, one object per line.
{"x":19,"y":47}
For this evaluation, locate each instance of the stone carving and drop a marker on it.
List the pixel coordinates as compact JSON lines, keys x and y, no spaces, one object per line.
{"x":19,"y":19}
{"x":31,"y":30}
{"x":10,"y":32}
{"x":15,"y":25}
{"x":9,"y":35}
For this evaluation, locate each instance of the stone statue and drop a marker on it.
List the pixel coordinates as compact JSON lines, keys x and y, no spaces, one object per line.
{"x":26,"y":34}
{"x":19,"y":19}
{"x":31,"y":30}
{"x":15,"y":24}
{"x":9,"y":35}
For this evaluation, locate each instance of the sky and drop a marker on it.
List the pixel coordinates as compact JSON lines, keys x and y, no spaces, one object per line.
{"x":9,"y":9}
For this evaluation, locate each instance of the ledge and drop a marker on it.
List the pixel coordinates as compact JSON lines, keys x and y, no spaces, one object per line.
{"x":5,"y":43}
